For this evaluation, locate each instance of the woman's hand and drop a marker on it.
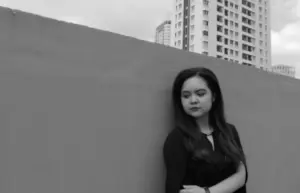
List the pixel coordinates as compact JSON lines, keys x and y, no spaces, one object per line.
{"x":192,"y":189}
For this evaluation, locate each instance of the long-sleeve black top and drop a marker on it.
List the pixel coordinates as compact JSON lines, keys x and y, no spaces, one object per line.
{"x":183,"y":169}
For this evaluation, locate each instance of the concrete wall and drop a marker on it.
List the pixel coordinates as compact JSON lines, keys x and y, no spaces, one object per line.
{"x":84,"y":110}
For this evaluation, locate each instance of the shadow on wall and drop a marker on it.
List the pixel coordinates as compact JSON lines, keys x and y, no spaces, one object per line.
{"x":83,"y":110}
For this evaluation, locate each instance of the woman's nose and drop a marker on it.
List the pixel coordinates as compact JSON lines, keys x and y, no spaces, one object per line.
{"x":194,"y":99}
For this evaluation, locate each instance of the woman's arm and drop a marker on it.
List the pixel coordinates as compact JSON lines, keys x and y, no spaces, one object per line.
{"x":238,"y":179}
{"x":175,"y":157}
{"x":232,"y":183}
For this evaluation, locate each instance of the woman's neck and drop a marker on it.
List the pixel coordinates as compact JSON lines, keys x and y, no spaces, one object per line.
{"x":203,"y":124}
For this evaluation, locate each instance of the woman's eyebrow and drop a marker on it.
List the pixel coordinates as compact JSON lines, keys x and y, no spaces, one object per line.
{"x":197,"y":90}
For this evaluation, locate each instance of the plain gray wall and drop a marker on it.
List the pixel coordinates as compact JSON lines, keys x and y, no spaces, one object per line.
{"x":83,"y":110}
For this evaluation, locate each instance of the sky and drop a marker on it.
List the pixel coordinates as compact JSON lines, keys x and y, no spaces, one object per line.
{"x":139,"y":18}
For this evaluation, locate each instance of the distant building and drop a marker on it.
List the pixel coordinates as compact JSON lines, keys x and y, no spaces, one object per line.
{"x":234,"y":30}
{"x":163,"y":33}
{"x":284,"y":70}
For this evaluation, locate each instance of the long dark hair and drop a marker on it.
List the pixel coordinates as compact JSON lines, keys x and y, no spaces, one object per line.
{"x":187,"y":124}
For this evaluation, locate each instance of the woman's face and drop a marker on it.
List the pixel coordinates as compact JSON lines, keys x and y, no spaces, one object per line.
{"x":196,"y":97}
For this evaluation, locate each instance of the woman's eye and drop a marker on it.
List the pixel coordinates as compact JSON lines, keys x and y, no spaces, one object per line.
{"x":200,"y":94}
{"x":185,"y":96}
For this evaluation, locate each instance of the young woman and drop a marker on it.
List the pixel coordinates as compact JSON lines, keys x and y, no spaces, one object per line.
{"x":203,"y":153}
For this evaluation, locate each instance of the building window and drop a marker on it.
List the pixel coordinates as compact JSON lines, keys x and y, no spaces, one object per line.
{"x":192,"y":17}
{"x":226,"y":12}
{"x":192,"y":48}
{"x":219,"y":48}
{"x":205,"y":12}
{"x":219,"y":28}
{"x":219,"y":38}
{"x":226,"y":51}
{"x":219,"y":18}
{"x":205,"y":2}
{"x":192,"y":37}
{"x":205,"y":33}
{"x":192,"y":28}
{"x":205,"y":44}
{"x":226,"y":41}
{"x":193,"y":9}
{"x":205,"y":23}
{"x":226,"y":31}
{"x":220,"y":9}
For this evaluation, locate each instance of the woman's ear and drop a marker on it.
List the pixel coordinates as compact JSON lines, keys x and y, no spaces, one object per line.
{"x":213,"y":98}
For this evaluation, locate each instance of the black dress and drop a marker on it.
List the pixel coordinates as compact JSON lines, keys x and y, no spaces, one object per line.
{"x":183,"y":169}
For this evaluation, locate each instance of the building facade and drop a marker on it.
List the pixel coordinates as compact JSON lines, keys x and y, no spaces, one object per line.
{"x":163,"y":33}
{"x":235,"y":30}
{"x":284,"y":70}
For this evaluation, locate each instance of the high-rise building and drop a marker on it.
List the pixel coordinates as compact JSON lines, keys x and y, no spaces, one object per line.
{"x":235,"y":30}
{"x":163,"y":33}
{"x":284,"y":70}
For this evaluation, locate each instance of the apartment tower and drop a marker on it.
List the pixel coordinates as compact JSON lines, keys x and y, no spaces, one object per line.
{"x":163,"y":33}
{"x":234,"y":30}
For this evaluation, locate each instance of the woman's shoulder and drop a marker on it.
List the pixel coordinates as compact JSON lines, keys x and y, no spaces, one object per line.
{"x":234,"y":132}
{"x":174,"y":144}
{"x":175,"y":135}
{"x":174,"y":138}
{"x":232,"y":128}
